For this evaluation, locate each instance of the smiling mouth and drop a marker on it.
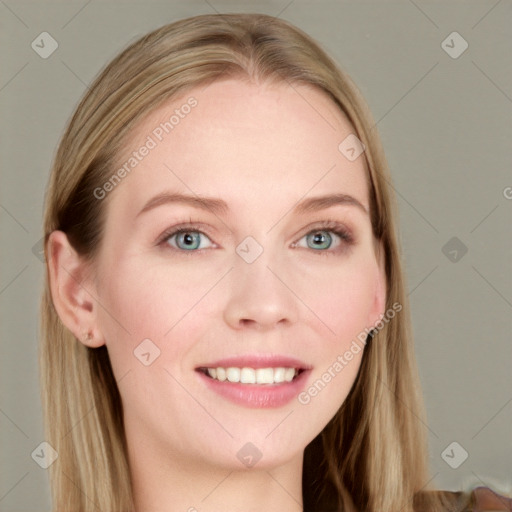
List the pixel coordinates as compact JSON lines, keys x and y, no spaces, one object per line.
{"x":254,"y":376}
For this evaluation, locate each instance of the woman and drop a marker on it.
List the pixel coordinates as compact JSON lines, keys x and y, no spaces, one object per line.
{"x":225,"y":324}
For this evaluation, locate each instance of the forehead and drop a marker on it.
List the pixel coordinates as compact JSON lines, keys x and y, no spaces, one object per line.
{"x":242,"y":141}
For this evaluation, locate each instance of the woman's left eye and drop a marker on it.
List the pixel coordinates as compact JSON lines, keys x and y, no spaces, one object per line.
{"x":325,"y":239}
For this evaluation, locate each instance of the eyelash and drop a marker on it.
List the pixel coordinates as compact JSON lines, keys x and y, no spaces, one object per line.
{"x":328,"y":225}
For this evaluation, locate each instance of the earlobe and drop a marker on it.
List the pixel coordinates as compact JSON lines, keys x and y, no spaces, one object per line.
{"x":72,"y":292}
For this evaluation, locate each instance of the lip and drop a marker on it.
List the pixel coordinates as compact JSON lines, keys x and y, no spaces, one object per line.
{"x":257,"y":395}
{"x":258,"y":361}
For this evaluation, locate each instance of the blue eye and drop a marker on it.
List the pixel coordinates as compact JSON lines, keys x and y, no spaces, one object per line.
{"x":319,"y":239}
{"x":323,"y":240}
{"x":186,"y":239}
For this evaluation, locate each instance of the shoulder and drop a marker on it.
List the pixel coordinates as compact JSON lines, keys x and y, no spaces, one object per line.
{"x":484,"y":498}
{"x":480,"y":499}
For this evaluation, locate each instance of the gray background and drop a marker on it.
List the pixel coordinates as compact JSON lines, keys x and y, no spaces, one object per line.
{"x":445,"y":125}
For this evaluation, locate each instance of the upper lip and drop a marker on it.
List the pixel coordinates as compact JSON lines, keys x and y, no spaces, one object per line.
{"x":257,"y":361}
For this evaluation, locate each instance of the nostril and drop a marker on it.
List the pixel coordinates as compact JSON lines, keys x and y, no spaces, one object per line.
{"x":247,"y":321}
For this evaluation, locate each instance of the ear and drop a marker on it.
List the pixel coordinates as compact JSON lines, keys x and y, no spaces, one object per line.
{"x":379,"y":300}
{"x":72,"y":291}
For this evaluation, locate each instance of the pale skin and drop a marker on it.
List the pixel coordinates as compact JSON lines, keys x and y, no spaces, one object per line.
{"x":262,"y":149}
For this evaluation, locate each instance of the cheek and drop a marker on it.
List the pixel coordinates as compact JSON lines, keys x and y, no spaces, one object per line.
{"x":144,"y":302}
{"x":341,"y":296}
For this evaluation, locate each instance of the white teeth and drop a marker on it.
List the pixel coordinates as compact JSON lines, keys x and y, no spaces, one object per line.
{"x":289,"y":374}
{"x":253,"y":376}
{"x":247,"y":376}
{"x":233,"y":374}
{"x":265,"y":375}
{"x":279,"y":375}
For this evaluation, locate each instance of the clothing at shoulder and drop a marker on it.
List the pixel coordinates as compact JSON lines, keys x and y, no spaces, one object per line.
{"x":484,"y":498}
{"x":481,"y":499}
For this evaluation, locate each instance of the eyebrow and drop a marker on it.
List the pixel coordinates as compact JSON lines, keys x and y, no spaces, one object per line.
{"x":219,"y":207}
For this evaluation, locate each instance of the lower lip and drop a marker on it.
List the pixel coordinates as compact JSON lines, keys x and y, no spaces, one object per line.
{"x":258,"y":395}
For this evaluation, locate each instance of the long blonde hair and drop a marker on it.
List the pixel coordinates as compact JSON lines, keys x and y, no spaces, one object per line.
{"x":372,"y":456}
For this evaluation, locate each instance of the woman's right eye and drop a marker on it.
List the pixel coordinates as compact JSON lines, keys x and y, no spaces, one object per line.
{"x":187,"y":240}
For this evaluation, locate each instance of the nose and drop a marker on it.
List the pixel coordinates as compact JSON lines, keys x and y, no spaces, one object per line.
{"x":261,"y":295}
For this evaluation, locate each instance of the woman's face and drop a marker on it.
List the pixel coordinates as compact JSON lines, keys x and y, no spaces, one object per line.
{"x":258,"y":279}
